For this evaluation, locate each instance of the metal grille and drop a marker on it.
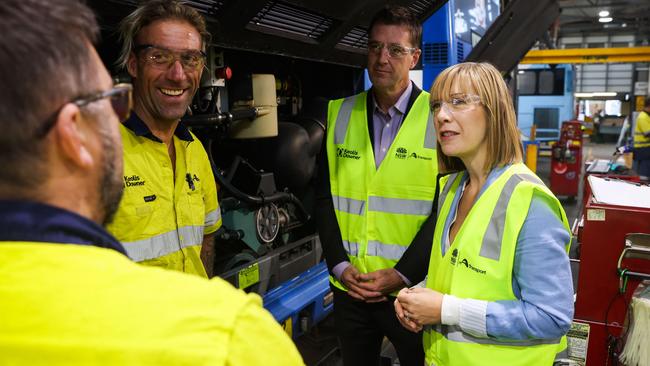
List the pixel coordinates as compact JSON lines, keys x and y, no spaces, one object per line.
{"x":356,"y":38}
{"x":460,"y":51}
{"x":436,"y":53}
{"x":208,"y":7}
{"x":420,"y":6}
{"x":286,"y":18}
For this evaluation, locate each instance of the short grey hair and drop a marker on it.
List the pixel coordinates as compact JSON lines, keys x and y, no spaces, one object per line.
{"x":153,"y":11}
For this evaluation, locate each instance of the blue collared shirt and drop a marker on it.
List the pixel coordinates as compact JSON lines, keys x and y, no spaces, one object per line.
{"x":139,"y":128}
{"x":37,"y":222}
{"x":386,"y":125}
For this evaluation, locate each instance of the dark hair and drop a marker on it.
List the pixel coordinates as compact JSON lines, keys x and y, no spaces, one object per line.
{"x":45,"y":62}
{"x":151,"y":12}
{"x":399,"y":15}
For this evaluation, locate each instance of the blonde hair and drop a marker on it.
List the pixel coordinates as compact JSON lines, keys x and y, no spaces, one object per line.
{"x":503,"y":142}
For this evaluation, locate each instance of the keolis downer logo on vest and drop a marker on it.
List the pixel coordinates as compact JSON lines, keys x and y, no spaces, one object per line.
{"x":342,"y":152}
{"x":133,"y":180}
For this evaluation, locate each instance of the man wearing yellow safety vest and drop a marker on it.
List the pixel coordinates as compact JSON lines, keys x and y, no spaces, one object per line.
{"x":68,"y":293}
{"x":377,"y":183}
{"x":169,"y":210}
{"x":642,"y":141}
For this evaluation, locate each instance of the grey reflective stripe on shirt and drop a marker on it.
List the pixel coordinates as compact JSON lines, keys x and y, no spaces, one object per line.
{"x":492,"y":240}
{"x":163,"y":244}
{"x":399,"y":206}
{"x":351,"y":248}
{"x":348,"y":205}
{"x":445,"y":191}
{"x":343,"y":119}
{"x":387,"y":251}
{"x":430,"y":134}
{"x":212,"y":217}
{"x":454,"y":333}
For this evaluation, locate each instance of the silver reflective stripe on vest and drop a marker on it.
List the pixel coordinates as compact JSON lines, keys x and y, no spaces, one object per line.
{"x":399,"y":206}
{"x":212,"y":217}
{"x":343,"y":119}
{"x":163,"y":244}
{"x":454,"y":333}
{"x":430,"y":134}
{"x":492,"y":240}
{"x":351,"y":248}
{"x":386,"y":251}
{"x":348,"y":205}
{"x":445,"y":191}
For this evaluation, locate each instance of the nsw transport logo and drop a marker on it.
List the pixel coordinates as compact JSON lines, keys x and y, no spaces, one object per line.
{"x":401,"y":153}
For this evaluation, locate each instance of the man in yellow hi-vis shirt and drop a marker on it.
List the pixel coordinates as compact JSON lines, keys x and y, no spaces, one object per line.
{"x":169,"y":210}
{"x":68,"y":293}
{"x":642,"y":141}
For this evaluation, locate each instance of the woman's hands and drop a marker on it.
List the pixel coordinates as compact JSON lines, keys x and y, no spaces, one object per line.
{"x":417,"y":307}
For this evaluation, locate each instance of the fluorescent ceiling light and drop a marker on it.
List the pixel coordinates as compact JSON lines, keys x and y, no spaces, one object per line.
{"x":605,"y":20}
{"x":597,"y":94}
{"x":520,"y":72}
{"x":603,"y":13}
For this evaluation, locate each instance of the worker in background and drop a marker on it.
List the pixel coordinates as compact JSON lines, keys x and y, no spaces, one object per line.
{"x":642,"y":141}
{"x":69,"y":295}
{"x":169,"y":211}
{"x":377,"y":183}
{"x":499,"y":287}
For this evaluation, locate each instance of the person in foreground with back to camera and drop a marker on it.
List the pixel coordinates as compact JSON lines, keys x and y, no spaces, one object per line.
{"x":68,"y":293}
{"x":499,"y":287}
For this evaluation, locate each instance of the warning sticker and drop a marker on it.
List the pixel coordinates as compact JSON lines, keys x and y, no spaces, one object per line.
{"x":595,"y":215}
{"x":577,"y":342}
{"x":249,"y":276}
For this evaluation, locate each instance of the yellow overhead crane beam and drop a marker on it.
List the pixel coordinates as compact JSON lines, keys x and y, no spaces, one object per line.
{"x":587,"y":55}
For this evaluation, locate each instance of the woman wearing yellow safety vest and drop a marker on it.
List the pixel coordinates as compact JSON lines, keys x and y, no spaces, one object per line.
{"x":499,"y":288}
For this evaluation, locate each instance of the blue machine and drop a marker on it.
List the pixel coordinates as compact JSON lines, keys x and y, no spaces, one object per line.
{"x":545,"y":99}
{"x":450,"y":33}
{"x":302,"y":301}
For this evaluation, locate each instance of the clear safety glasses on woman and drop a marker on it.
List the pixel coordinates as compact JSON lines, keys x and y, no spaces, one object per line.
{"x":456,"y":103}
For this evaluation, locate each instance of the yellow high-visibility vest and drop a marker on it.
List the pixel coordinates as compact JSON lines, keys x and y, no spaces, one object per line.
{"x":65,"y":304}
{"x":380,"y":210}
{"x":163,"y":216}
{"x":642,"y":127}
{"x":479,"y":265}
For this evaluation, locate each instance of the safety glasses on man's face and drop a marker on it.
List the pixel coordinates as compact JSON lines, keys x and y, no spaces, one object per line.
{"x":163,"y":58}
{"x":394,"y":50}
{"x":121,"y":100}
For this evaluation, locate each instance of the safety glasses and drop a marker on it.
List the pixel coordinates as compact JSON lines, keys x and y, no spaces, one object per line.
{"x":121,"y":97}
{"x":163,"y":58}
{"x":394,"y":50}
{"x":456,"y":103}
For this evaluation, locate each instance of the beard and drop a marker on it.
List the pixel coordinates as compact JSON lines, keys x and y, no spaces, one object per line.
{"x":110,"y":183}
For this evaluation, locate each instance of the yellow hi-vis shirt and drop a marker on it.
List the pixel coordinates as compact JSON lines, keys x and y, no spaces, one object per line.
{"x":642,"y":127}
{"x":163,"y":216}
{"x":64,"y":304}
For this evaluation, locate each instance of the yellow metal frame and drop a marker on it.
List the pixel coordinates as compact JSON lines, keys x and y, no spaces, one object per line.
{"x":587,"y":55}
